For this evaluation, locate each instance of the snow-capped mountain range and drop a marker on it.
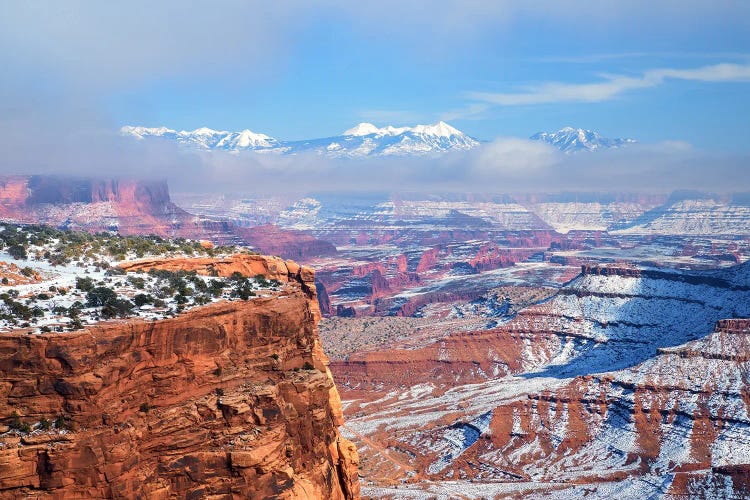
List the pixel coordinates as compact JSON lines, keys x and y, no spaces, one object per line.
{"x":569,"y":140}
{"x":363,"y":140}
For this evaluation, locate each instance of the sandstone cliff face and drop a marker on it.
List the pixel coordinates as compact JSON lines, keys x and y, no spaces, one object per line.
{"x":131,"y":206}
{"x":231,"y":400}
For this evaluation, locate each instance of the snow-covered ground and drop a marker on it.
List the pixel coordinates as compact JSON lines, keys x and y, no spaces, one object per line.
{"x":60,"y":295}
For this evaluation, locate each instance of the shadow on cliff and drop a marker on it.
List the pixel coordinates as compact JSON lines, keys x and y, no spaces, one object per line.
{"x":658,"y":313}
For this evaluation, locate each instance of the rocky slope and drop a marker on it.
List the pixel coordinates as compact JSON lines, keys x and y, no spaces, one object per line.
{"x":231,"y":399}
{"x":693,"y":214}
{"x":679,"y":421}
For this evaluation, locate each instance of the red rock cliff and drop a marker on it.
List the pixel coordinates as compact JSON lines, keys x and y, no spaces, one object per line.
{"x":231,"y":400}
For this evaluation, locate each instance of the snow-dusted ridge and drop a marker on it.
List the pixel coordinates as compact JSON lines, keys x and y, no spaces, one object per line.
{"x":363,"y":140}
{"x":205,"y":138}
{"x":569,"y":139}
{"x":439,"y":129}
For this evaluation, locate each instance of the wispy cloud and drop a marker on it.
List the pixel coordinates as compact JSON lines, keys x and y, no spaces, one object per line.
{"x":597,"y":58}
{"x":611,"y":86}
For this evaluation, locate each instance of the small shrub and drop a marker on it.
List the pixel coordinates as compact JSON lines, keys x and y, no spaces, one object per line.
{"x":17,"y":424}
{"x":308,"y":366}
{"x":84,"y":284}
{"x":17,"y":252}
{"x":142,"y":299}
{"x":219,"y":391}
{"x":15,"y":420}
{"x":61,"y":423}
{"x":145,"y":407}
{"x":44,"y":424}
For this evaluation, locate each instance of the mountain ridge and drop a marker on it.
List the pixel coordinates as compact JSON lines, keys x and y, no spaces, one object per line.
{"x":367,"y":140}
{"x":363,"y":140}
{"x":570,"y":140}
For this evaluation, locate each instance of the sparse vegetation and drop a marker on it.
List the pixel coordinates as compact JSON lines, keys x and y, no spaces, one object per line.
{"x":100,"y":290}
{"x":61,"y":423}
{"x":62,"y":247}
{"x":17,"y":424}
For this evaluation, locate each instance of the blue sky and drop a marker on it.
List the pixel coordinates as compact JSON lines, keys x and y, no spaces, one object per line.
{"x":671,"y":70}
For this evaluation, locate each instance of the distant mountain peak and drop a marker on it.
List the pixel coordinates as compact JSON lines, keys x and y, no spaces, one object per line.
{"x":362,"y":129}
{"x":439,"y":129}
{"x":569,"y":139}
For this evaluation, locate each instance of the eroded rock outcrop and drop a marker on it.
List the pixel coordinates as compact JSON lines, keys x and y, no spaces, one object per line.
{"x":230,"y":400}
{"x":288,"y":243}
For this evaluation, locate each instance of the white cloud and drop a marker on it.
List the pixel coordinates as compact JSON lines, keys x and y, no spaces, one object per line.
{"x":513,"y":156}
{"x":611,"y":86}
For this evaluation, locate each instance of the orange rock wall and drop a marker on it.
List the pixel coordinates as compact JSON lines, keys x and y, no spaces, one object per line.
{"x":240,"y":405}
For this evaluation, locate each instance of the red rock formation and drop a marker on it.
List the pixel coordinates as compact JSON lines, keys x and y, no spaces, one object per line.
{"x":11,"y":275}
{"x":324,"y":301}
{"x":428,"y":260}
{"x":362,"y":270}
{"x":460,"y":358}
{"x":290,"y":244}
{"x":491,"y":257}
{"x":230,"y":400}
{"x":14,"y":190}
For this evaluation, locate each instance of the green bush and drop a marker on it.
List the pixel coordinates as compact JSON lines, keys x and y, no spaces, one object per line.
{"x":17,"y":424}
{"x":84,"y":284}
{"x":17,"y":252}
{"x":61,"y":423}
{"x":100,"y":296}
{"x":142,"y":299}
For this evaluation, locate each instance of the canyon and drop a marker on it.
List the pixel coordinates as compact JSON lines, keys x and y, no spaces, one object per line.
{"x":624,"y":381}
{"x":562,"y":345}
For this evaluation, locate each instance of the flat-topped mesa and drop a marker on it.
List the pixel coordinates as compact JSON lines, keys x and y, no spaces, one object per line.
{"x":625,"y":271}
{"x":229,"y":399}
{"x":246,"y":264}
{"x":597,"y":270}
{"x":736,"y":325}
